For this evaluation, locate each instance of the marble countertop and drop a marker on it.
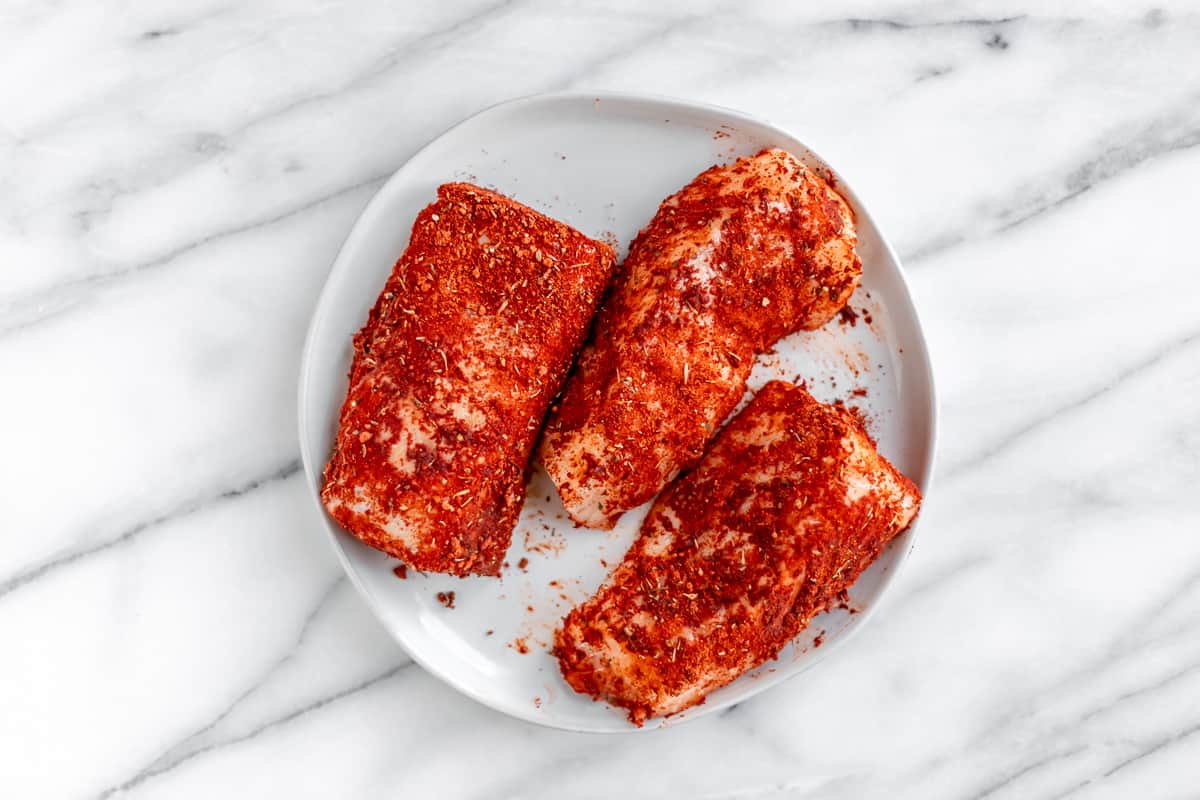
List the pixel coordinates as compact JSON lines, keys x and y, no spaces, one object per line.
{"x":176,"y":178}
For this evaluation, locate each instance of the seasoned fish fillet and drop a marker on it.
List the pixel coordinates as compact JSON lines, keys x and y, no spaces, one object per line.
{"x":461,"y":355}
{"x":740,"y":257}
{"x":788,"y":506}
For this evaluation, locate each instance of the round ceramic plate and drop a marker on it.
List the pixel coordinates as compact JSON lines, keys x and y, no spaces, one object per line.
{"x":601,"y":163}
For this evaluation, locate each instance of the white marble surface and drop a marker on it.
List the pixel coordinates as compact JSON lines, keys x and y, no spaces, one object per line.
{"x":174,"y":181}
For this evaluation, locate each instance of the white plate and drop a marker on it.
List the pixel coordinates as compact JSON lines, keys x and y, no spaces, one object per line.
{"x":601,"y":163}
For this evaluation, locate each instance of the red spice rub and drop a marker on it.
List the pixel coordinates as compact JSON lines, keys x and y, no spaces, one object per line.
{"x":740,"y":257}
{"x":460,"y":357}
{"x":789,"y":505}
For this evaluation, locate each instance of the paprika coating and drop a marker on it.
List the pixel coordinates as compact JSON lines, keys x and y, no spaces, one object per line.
{"x":460,"y":357}
{"x":742,"y":256}
{"x":786,"y":509}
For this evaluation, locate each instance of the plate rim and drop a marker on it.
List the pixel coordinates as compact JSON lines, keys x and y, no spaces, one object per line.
{"x":314,"y":468}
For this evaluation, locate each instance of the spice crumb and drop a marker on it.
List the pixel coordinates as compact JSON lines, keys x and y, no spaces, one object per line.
{"x":400,"y":571}
{"x":446,"y":599}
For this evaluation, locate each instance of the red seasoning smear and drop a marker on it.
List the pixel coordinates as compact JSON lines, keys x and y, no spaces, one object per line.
{"x":843,"y":602}
{"x":552,"y":544}
{"x":740,"y":257}
{"x":789,"y":505}
{"x":460,"y":357}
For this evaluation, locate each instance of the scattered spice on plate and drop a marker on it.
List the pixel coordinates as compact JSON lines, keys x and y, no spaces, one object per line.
{"x":400,"y":571}
{"x":446,"y":599}
{"x":552,"y":544}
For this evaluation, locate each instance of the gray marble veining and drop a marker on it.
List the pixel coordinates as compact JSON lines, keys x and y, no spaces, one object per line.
{"x":176,"y":179}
